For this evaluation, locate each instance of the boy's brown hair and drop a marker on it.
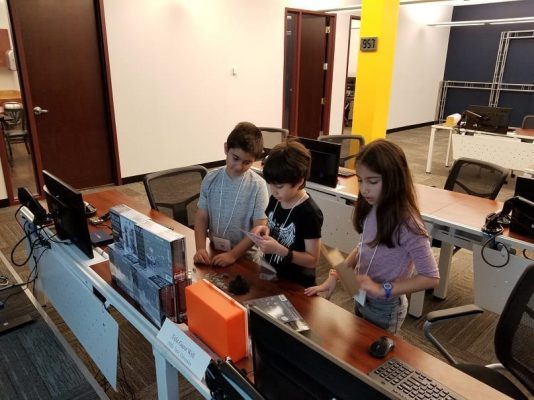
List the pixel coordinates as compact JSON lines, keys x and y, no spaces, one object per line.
{"x":288,"y":162}
{"x":247,"y":137}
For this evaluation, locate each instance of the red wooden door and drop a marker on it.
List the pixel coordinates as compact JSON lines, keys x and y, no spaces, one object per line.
{"x":308,"y":76}
{"x":62,"y":64}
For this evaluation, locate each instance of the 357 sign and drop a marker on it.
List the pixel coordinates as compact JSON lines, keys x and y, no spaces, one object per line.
{"x":368,"y":43}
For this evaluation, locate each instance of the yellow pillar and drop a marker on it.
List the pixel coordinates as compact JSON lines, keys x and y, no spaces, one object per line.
{"x":375,"y":69}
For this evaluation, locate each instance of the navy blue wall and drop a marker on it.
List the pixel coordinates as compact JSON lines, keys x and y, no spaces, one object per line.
{"x":472,"y":54}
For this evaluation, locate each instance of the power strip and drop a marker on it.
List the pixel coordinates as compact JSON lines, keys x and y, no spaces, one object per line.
{"x":27,"y":215}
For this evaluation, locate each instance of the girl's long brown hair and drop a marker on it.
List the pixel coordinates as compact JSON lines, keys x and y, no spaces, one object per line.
{"x":397,"y":203}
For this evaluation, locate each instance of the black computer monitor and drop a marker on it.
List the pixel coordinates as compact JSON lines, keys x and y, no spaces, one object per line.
{"x":25,"y":196}
{"x":288,"y":365}
{"x":487,"y":119}
{"x":524,"y":187}
{"x":68,"y":211}
{"x":325,"y":161}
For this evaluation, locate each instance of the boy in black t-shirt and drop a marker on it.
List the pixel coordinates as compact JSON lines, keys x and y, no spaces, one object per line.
{"x":292,"y":238}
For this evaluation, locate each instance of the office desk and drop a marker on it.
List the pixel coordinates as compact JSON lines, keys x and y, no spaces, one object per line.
{"x":335,"y":329}
{"x":517,"y":155}
{"x":454,"y":218}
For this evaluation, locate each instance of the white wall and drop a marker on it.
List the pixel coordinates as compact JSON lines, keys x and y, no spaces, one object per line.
{"x":171,"y":63}
{"x":419,"y":64}
{"x":175,"y":96}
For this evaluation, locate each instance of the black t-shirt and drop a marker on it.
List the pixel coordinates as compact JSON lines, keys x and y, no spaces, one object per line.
{"x":290,"y":228}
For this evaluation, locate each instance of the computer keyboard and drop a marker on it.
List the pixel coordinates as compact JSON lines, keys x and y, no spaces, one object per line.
{"x":405,"y":382}
{"x":345,"y":172}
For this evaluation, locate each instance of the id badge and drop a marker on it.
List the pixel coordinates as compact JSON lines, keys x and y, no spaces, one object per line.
{"x":221,"y":243}
{"x":360,"y":297}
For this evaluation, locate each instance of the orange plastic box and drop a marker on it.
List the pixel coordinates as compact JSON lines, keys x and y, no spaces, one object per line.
{"x":217,"y":319}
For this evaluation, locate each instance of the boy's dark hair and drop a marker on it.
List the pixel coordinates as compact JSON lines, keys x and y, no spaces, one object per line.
{"x":288,"y":162}
{"x":247,"y":137}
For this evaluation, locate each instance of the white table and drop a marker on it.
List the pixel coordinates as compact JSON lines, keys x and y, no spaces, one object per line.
{"x":453,"y":218}
{"x":486,"y":146}
{"x":82,"y":298}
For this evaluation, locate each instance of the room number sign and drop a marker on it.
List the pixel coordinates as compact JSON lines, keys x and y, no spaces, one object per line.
{"x":368,"y":43}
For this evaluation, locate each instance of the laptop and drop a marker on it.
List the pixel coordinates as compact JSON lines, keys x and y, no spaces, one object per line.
{"x":345,"y":274}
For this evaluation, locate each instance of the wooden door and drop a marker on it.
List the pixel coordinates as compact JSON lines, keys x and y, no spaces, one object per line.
{"x":62,"y":60}
{"x":308,"y":72}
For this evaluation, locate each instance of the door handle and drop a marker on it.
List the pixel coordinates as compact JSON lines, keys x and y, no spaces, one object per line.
{"x":38,"y":110}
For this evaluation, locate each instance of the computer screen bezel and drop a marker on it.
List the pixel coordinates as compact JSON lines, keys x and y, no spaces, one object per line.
{"x":493,"y":119}
{"x":66,"y":205}
{"x":302,"y":368}
{"x":323,"y":171}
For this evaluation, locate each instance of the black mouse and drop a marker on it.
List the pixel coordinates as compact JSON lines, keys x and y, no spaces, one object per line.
{"x":238,"y":285}
{"x":381,"y":347}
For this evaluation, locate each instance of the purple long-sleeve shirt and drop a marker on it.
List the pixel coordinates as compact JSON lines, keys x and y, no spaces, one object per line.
{"x":397,"y":263}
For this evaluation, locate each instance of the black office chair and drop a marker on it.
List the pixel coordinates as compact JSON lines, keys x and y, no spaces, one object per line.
{"x":528,"y":122}
{"x":174,"y":192}
{"x":14,"y":127}
{"x":476,"y":177}
{"x":272,"y":137}
{"x":350,"y":146}
{"x":514,"y":339}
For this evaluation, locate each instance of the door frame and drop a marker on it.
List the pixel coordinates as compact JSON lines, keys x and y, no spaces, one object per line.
{"x":28,"y":102}
{"x":352,"y":18}
{"x":296,"y":76}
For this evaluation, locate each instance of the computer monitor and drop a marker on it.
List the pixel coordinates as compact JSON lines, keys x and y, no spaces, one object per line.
{"x":288,"y":365}
{"x":487,"y":119}
{"x":68,"y":211}
{"x":325,"y":161}
{"x":25,"y":196}
{"x":522,"y":218}
{"x":524,"y":187}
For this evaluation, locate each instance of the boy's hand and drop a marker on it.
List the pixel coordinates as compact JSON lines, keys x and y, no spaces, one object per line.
{"x":269,"y":245}
{"x":202,"y":257}
{"x":260,"y":230}
{"x":223,"y":259}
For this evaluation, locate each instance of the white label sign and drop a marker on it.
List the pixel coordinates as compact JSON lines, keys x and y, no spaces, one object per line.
{"x":175,"y":338}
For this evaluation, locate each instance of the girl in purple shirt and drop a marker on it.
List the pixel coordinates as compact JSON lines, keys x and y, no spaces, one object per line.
{"x":393,"y":241}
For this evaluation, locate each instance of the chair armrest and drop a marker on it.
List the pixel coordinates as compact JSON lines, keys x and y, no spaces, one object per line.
{"x":455,"y":312}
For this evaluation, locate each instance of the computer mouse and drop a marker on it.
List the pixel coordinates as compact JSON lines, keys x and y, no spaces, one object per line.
{"x":238,"y":285}
{"x":381,"y":347}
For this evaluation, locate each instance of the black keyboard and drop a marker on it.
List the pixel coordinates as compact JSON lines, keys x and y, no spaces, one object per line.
{"x":405,"y":382}
{"x":345,"y":172}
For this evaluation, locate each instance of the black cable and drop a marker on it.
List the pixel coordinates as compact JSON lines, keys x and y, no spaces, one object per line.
{"x":492,"y":238}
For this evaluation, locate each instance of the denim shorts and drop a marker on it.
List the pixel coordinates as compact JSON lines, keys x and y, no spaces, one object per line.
{"x":388,"y":314}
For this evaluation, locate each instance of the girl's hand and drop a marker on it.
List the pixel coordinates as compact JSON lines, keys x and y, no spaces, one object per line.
{"x":372,"y":288}
{"x":325,"y":289}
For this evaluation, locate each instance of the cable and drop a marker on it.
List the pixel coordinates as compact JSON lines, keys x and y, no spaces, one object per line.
{"x":525,"y":255}
{"x":492,"y":238}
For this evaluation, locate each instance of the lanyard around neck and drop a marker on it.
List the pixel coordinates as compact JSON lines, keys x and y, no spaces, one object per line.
{"x":220,"y":203}
{"x":361,"y":251}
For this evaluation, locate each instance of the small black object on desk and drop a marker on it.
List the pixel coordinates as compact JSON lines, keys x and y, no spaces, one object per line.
{"x":238,"y":285}
{"x":381,"y":347}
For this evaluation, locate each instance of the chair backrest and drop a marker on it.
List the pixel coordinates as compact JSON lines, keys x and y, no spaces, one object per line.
{"x":174,"y":192}
{"x":272,"y":137}
{"x":514,"y":335}
{"x":476,"y":177}
{"x":350,"y":145}
{"x":528,"y":122}
{"x":15,"y":114}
